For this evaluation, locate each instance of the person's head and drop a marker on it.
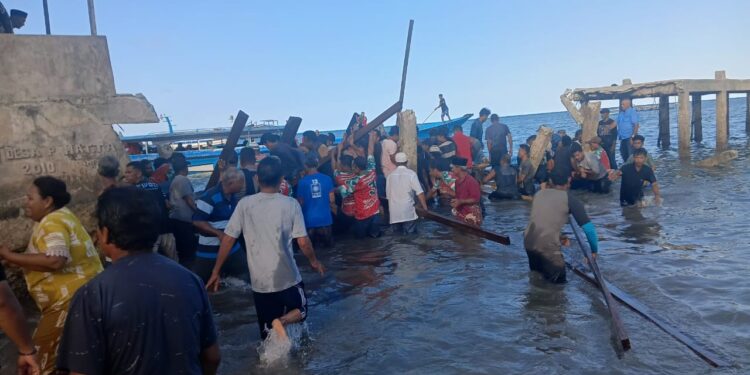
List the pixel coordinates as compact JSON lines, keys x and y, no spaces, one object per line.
{"x":323,"y":139}
{"x":247,"y":157}
{"x":270,"y":140}
{"x":438,"y":166}
{"x":393,"y":133}
{"x":158,"y":162}
{"x":108,"y":167}
{"x":134,"y":172}
{"x":345,"y":163}
{"x":331,"y":139}
{"x":230,"y":160}
{"x":524,"y":151}
{"x":577,"y":152}
{"x":232,"y":181}
{"x":595,"y":143}
{"x":440,"y":96}
{"x":638,"y":141}
{"x":559,"y":180}
{"x":626,"y":103}
{"x":359,"y":165}
{"x":311,"y":164}
{"x":604,"y":113}
{"x":401,"y":159}
{"x":309,"y":137}
{"x":562,"y":132}
{"x":505,"y":160}
{"x":531,"y":140}
{"x":128,"y":221}
{"x":578,"y":135}
{"x":179,"y":145}
{"x":442,"y":136}
{"x":458,"y":128}
{"x":495,"y":119}
{"x":270,"y":172}
{"x":565,"y":141}
{"x":180,"y":166}
{"x":18,"y":18}
{"x":639,"y":157}
{"x":458,"y":166}
{"x":148,"y":167}
{"x":483,"y":114}
{"x":46,"y":194}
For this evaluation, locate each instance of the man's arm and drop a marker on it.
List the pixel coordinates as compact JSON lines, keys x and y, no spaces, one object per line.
{"x":210,"y":359}
{"x":33,"y":262}
{"x":332,"y":201}
{"x":307,"y":249}
{"x":190,"y":202}
{"x":227,"y":242}
{"x":579,"y":214}
{"x":489,"y":176}
{"x":510,"y":143}
{"x":12,"y":321}
{"x":657,"y":192}
{"x":422,"y":201}
{"x":205,"y":228}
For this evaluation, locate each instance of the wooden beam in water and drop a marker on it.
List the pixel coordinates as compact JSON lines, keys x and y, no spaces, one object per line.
{"x":622,"y":336}
{"x":463,"y":227}
{"x":632,"y":303}
{"x":234,"y":136}
{"x":697,"y":118}
{"x":664,"y":139}
{"x":290,"y":130}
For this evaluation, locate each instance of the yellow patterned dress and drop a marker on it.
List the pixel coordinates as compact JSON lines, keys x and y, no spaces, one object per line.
{"x":60,"y":233}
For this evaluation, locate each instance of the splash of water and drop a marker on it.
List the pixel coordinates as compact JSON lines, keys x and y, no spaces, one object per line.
{"x":275,"y":351}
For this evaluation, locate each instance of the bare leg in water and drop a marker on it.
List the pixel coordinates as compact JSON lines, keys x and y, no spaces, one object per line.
{"x":291,"y":317}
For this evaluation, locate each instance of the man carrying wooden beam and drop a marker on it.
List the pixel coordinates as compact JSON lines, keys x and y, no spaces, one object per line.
{"x":549,"y":213}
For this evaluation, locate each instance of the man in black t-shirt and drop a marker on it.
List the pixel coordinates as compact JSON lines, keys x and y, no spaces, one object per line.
{"x":634,"y":176}
{"x":145,"y":314}
{"x":564,"y":164}
{"x":607,"y":131}
{"x":291,"y":159}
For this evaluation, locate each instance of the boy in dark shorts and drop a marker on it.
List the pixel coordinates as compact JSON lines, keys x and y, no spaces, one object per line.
{"x":270,"y":221}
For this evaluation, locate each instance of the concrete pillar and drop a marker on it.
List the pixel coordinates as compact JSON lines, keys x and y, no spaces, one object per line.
{"x":540,"y":145}
{"x":747,"y":113}
{"x":407,"y":136}
{"x":590,"y":114}
{"x":663,"y":140}
{"x":683,"y":121}
{"x":722,"y":115}
{"x":697,"y":118}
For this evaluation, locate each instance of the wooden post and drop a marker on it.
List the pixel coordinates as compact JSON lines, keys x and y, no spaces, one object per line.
{"x":46,"y":17}
{"x":590,"y":113}
{"x":92,"y":17}
{"x":406,"y":61}
{"x":664,"y":136}
{"x":290,"y":130}
{"x":539,"y":146}
{"x":683,"y":121}
{"x":747,"y":113}
{"x":571,"y":107}
{"x":407,"y":136}
{"x":234,"y":136}
{"x":722,"y":114}
{"x":697,"y":118}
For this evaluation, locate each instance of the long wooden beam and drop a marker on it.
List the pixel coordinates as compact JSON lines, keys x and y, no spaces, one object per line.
{"x":632,"y":303}
{"x":460,"y":225}
{"x":660,"y":88}
{"x":406,"y":61}
{"x":234,"y":136}
{"x":622,"y":336}
{"x":290,"y":130}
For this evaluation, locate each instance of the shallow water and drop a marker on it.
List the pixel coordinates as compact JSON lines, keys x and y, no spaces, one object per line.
{"x":449,"y":303}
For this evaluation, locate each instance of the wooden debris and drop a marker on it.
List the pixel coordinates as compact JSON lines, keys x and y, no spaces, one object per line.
{"x":463,"y":227}
{"x":234,"y":136}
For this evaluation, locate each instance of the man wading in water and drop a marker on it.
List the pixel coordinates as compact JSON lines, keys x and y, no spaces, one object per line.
{"x":269,"y":222}
{"x":549,"y":213}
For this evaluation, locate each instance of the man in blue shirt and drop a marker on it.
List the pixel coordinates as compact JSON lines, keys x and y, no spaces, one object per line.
{"x":316,"y":196}
{"x":214,"y":208}
{"x":627,"y":128}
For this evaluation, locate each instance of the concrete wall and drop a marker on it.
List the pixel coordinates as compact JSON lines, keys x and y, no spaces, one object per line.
{"x":57,"y":105}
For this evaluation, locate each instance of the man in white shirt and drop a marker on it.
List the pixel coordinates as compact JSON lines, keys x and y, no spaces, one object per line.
{"x":390,"y":148}
{"x":401,"y":187}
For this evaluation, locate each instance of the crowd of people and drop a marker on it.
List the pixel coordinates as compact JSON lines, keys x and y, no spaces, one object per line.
{"x":160,"y":245}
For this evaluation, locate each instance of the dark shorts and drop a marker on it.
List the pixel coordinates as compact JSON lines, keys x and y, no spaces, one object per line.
{"x":550,"y":265}
{"x":497,"y":195}
{"x":185,"y":241}
{"x":321,"y":236}
{"x":270,"y":306}
{"x":406,"y":227}
{"x":235,"y":266}
{"x":445,"y":112}
{"x":367,"y":227}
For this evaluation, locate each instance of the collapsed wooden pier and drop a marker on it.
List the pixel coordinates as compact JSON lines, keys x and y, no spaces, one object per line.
{"x":689,"y":93}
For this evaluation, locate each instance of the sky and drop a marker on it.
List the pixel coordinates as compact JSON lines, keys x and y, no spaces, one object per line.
{"x":201,"y":62}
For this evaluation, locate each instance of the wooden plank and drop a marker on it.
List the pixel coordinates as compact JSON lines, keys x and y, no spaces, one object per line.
{"x":697,"y":121}
{"x":590,"y":113}
{"x":290,"y":130}
{"x":683,"y":123}
{"x":463,"y":227}
{"x":539,"y":146}
{"x":638,"y":307}
{"x":406,"y":62}
{"x":234,"y":136}
{"x":622,"y":336}
{"x":663,"y":140}
{"x":407,"y":137}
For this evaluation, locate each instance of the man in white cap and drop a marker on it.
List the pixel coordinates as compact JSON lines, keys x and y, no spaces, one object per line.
{"x":402,"y":185}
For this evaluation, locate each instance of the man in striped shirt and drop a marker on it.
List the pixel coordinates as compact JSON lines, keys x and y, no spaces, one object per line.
{"x":214,"y":208}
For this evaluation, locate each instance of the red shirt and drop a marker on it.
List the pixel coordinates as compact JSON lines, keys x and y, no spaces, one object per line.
{"x":604,"y":158}
{"x":463,"y":147}
{"x":347,"y":203}
{"x":366,"y":201}
{"x":468,"y":188}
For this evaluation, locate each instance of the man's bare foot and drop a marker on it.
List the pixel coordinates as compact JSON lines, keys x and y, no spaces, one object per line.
{"x":278,"y":327}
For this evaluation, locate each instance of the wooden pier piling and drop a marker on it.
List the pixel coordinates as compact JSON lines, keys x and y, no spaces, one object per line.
{"x":722,"y":114}
{"x":697,"y":118}
{"x":663,"y":140}
{"x":683,"y":120}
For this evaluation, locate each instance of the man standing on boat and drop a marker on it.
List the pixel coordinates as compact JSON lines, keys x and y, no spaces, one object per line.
{"x":549,"y":213}
{"x":269,"y":222}
{"x":443,"y":109}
